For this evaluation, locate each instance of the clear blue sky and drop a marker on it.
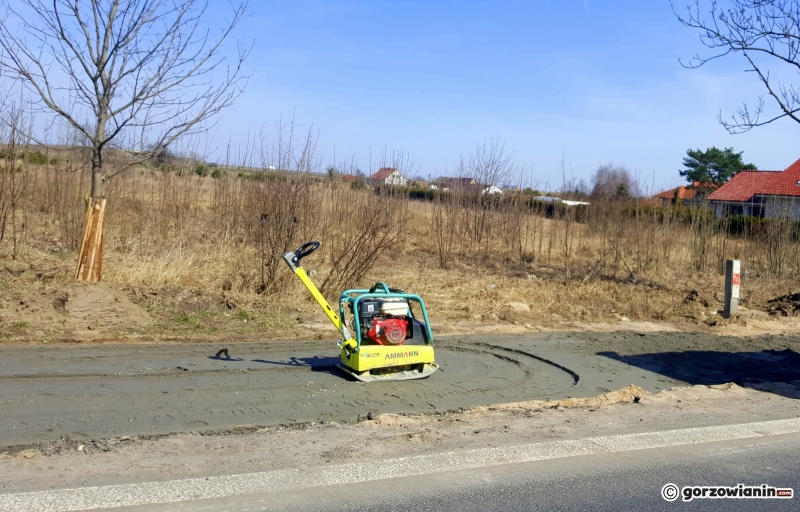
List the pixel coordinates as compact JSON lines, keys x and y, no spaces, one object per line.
{"x":598,"y":80}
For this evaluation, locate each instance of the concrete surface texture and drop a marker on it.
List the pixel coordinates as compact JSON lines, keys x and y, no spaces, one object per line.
{"x":51,"y":393}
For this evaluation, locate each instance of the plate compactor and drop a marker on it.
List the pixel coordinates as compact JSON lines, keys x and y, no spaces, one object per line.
{"x":390,"y":342}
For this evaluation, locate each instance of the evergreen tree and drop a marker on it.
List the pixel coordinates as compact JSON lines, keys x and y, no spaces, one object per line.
{"x":713,"y":165}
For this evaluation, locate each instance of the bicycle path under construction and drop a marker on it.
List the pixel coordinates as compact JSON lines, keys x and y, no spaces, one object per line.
{"x":95,"y":391}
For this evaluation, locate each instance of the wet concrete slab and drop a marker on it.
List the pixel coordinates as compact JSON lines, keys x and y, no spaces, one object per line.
{"x":102,"y":391}
{"x":99,"y":391}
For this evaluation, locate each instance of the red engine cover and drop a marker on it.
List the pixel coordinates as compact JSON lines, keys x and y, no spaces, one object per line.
{"x":391,"y":331}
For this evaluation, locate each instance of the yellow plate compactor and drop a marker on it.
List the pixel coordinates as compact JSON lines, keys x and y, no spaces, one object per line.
{"x":390,"y":341}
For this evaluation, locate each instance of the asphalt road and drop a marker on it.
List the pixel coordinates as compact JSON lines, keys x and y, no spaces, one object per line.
{"x":630,"y":480}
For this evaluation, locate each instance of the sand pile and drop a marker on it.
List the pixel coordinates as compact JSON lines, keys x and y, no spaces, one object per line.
{"x":628,"y":394}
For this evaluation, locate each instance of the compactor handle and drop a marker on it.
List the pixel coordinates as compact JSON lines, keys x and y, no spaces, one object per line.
{"x":386,"y":289}
{"x":293,"y":258}
{"x":305,"y":250}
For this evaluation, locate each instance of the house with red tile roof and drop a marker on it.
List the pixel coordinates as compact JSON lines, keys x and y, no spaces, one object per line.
{"x":767,"y":194}
{"x":690,"y":194}
{"x":388,"y":176}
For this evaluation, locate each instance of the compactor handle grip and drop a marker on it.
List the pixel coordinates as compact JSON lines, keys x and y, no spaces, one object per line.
{"x":305,"y":250}
{"x":293,"y":258}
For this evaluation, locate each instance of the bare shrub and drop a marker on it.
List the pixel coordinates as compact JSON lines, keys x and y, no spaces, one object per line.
{"x":488,"y":165}
{"x":5,"y":206}
{"x":613,"y":182}
{"x":513,"y":224}
{"x":778,"y":244}
{"x":444,"y":220}
{"x":644,"y":234}
{"x":703,"y":226}
{"x":287,"y":215}
{"x":478,"y":219}
{"x":14,"y":179}
{"x":227,"y":205}
{"x":608,"y":221}
{"x":63,"y":188}
{"x":360,"y":227}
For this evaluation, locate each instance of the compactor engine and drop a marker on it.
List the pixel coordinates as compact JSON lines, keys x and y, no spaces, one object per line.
{"x":384,"y":321}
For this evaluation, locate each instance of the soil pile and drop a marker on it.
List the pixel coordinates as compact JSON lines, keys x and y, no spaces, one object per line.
{"x":695,"y":298}
{"x":88,"y":306}
{"x":67,"y":311}
{"x":786,"y":305}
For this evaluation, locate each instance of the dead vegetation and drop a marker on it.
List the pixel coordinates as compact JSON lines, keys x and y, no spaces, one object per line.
{"x":201,"y":252}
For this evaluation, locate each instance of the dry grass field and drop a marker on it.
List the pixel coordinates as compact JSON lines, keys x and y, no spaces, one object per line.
{"x":192,"y":253}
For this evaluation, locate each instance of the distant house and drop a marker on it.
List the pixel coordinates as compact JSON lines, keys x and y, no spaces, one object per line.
{"x":388,"y":176}
{"x":508,"y":186}
{"x":766,"y":194}
{"x":691,"y":194}
{"x":451,"y":182}
{"x":350,"y":177}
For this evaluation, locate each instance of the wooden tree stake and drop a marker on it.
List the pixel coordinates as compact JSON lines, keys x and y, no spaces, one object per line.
{"x":90,"y":260}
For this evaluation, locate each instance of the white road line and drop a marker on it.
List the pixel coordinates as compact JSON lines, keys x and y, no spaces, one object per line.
{"x":88,"y":498}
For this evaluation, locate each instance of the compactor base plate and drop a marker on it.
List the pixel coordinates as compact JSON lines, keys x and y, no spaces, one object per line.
{"x":405,"y":372}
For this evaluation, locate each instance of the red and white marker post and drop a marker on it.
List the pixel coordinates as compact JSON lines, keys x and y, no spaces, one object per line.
{"x":733,"y":279}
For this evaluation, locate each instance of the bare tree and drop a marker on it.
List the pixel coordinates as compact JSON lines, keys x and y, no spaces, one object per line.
{"x":14,"y":177}
{"x":119,"y":72}
{"x":398,"y":160}
{"x":767,"y":34}
{"x":571,"y":187}
{"x":613,"y":182}
{"x":489,"y":164}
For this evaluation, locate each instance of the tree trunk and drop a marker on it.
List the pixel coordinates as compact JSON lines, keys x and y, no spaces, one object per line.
{"x":90,"y":259}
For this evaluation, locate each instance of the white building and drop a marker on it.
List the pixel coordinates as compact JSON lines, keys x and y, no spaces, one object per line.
{"x":388,"y":176}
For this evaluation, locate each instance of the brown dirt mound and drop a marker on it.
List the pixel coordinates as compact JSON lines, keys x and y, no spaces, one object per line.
{"x":696,"y":298}
{"x":785,"y":305}
{"x":69,"y":310}
{"x":90,"y":305}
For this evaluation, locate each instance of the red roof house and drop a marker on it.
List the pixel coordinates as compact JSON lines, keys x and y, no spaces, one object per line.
{"x":766,"y":194}
{"x":691,"y":193}
{"x":679,"y":193}
{"x":387,"y":176}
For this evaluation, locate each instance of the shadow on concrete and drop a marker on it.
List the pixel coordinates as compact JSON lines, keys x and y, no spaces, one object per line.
{"x":223,"y":355}
{"x":314,"y":363}
{"x":765,"y":370}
